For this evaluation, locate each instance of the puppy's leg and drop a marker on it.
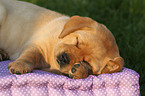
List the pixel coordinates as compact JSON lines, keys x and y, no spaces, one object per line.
{"x":29,"y":59}
{"x":54,"y":71}
{"x":3,"y":55}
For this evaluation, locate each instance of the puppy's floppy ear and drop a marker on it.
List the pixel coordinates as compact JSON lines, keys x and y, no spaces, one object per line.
{"x":76,"y":23}
{"x":114,"y":65}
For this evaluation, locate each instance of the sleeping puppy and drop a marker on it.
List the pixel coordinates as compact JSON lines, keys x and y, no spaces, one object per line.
{"x":35,"y":37}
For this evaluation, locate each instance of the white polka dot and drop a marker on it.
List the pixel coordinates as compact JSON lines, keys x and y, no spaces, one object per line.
{"x":40,"y":83}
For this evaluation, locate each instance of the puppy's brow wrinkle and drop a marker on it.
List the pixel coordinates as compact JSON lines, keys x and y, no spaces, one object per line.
{"x":77,"y":45}
{"x":73,"y":70}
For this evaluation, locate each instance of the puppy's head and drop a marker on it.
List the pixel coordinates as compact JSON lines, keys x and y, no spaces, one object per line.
{"x":83,"y":39}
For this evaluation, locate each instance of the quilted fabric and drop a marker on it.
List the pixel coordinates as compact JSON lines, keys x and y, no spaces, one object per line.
{"x":40,"y":83}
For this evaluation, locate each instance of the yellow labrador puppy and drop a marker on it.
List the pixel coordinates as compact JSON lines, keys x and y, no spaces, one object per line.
{"x":35,"y":37}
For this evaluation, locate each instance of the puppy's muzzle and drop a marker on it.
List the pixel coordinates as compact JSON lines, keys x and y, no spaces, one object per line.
{"x":63,"y":59}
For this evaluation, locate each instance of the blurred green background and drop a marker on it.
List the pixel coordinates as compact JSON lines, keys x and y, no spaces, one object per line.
{"x":125,"y":19}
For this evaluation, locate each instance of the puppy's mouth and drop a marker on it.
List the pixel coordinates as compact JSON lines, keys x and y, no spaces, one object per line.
{"x":63,"y":59}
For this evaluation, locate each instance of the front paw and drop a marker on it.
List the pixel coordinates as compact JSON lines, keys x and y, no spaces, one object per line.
{"x":3,"y":55}
{"x":80,"y":70}
{"x":20,"y":67}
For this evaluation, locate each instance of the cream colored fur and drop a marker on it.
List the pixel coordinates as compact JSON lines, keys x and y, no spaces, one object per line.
{"x":22,"y":23}
{"x":26,"y":28}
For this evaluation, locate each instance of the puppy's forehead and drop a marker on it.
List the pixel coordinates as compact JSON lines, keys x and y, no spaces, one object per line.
{"x":87,"y":36}
{"x":90,"y":35}
{"x":69,"y":39}
{"x":97,"y":30}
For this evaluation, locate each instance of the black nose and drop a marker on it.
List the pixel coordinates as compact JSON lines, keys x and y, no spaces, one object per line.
{"x":63,"y":59}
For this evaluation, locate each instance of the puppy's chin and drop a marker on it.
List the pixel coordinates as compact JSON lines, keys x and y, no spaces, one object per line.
{"x":65,"y":69}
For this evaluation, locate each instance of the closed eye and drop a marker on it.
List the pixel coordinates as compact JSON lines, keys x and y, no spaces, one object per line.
{"x":77,"y":45}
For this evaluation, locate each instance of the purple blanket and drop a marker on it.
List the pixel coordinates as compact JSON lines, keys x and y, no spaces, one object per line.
{"x":40,"y":83}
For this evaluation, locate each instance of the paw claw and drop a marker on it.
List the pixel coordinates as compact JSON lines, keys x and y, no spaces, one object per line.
{"x":71,"y":76}
{"x":18,"y":73}
{"x":12,"y":70}
{"x":80,"y":62}
{"x":77,"y":65}
{"x":73,"y":70}
{"x":8,"y":67}
{"x":27,"y":72}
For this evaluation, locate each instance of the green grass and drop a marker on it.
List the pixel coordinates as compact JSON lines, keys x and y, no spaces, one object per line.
{"x":125,"y":19}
